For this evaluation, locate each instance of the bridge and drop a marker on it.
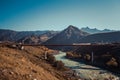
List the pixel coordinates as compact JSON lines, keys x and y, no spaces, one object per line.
{"x":82,"y":44}
{"x":52,"y":45}
{"x":74,"y":44}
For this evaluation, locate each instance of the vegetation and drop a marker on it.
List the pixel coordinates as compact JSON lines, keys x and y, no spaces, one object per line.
{"x":112,"y":63}
{"x":105,"y":56}
{"x":28,"y":64}
{"x":73,"y":55}
{"x":87,"y":57}
{"x":57,"y":64}
{"x":51,"y":58}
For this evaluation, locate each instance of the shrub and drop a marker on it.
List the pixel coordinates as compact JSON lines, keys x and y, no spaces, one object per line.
{"x":51,"y":58}
{"x":59,"y":65}
{"x":87,"y":57}
{"x":69,"y":55}
{"x":112,"y":63}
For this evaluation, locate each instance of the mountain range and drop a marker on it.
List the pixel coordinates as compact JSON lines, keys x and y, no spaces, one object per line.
{"x":110,"y":37}
{"x":26,"y":36}
{"x":69,"y":35}
{"x":95,"y":30}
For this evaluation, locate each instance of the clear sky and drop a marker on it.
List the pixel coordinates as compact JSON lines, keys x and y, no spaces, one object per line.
{"x":58,"y":14}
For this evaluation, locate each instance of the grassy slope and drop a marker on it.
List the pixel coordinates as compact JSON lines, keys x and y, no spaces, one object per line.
{"x":26,"y":65}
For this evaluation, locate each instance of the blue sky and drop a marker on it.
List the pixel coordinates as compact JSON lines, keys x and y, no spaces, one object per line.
{"x":58,"y":14}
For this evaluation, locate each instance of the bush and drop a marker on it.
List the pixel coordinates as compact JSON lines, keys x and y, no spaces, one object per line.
{"x":51,"y":58}
{"x":87,"y":57}
{"x":69,"y":55}
{"x":59,"y":65}
{"x":112,"y":63}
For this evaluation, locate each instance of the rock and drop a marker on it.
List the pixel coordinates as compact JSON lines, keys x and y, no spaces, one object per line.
{"x":34,"y":79}
{"x":34,"y":71}
{"x":12,"y":73}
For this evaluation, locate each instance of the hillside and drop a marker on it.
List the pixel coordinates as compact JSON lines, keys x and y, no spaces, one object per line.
{"x":38,"y":39}
{"x":7,"y":35}
{"x":102,"y":37}
{"x":27,"y":36}
{"x":27,"y":64}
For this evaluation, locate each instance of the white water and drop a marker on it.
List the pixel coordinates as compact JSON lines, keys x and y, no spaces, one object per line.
{"x":90,"y":73}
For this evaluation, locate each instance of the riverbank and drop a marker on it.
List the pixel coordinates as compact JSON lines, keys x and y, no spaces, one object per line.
{"x":103,"y":56}
{"x":95,"y":65}
{"x":85,"y":71}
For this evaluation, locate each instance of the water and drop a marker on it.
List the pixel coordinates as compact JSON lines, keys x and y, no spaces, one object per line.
{"x":85,"y":71}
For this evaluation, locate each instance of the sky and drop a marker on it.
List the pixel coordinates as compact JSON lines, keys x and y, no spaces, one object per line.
{"x":30,"y":15}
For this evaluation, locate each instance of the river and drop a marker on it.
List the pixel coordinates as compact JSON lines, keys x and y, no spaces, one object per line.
{"x":86,"y":71}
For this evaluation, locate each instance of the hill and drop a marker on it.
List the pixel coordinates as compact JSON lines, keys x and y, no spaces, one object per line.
{"x":28,"y":64}
{"x":102,"y":37}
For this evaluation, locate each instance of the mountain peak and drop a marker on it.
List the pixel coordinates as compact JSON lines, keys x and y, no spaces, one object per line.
{"x":72,"y":30}
{"x":71,"y":27}
{"x":69,"y":35}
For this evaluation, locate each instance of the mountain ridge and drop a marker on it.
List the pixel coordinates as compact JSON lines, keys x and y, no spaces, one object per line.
{"x":16,"y":36}
{"x":109,"y":37}
{"x":95,"y":30}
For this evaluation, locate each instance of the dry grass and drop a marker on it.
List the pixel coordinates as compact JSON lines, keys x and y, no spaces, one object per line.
{"x":26,"y":65}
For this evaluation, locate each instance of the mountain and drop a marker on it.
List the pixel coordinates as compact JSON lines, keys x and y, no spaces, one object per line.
{"x":95,"y":30}
{"x":69,"y":35}
{"x":27,"y":36}
{"x":102,"y":37}
{"x":10,"y":35}
{"x":38,"y":39}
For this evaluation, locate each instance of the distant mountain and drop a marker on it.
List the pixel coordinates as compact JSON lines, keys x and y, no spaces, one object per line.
{"x":27,"y":36}
{"x":95,"y":30}
{"x":102,"y":37}
{"x":69,"y":35}
{"x":7,"y":35}
{"x":38,"y":39}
